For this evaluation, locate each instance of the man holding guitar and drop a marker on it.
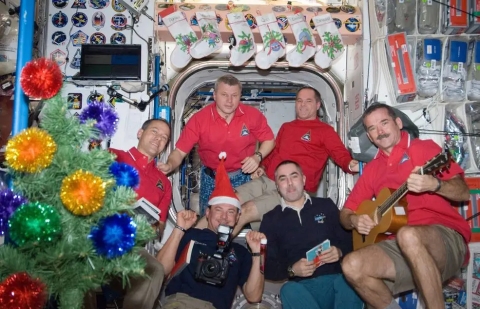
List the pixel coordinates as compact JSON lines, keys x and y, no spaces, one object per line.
{"x":432,"y":246}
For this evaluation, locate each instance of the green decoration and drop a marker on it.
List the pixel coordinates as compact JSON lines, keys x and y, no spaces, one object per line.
{"x":185,"y":40}
{"x":331,"y":44}
{"x":246,"y":43}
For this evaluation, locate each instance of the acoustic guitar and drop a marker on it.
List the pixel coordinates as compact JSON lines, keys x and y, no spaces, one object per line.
{"x":390,"y":207}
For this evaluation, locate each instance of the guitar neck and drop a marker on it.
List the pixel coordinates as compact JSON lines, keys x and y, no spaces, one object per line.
{"x":393,"y":199}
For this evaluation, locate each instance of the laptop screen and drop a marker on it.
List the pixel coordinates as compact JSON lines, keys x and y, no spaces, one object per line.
{"x":111,"y":61}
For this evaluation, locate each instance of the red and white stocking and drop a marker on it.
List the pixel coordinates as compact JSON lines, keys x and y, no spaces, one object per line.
{"x":332,"y":43}
{"x":211,"y":41}
{"x":306,"y":46}
{"x":273,"y":41}
{"x":183,"y":34}
{"x":245,"y":46}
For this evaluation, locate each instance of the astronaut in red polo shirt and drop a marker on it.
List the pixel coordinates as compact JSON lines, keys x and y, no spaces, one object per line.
{"x":433,"y":245}
{"x":226,"y":125}
{"x":157,"y":189}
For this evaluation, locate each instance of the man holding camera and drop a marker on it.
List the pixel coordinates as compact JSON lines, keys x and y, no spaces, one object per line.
{"x":217,"y":266}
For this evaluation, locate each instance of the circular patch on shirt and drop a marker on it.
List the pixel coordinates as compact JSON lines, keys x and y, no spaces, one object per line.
{"x":118,"y":38}
{"x":98,"y":20}
{"x":58,"y":38}
{"x":117,"y":6}
{"x":59,"y":19}
{"x":205,"y":7}
{"x":279,"y":9}
{"x":337,"y":22}
{"x":221,"y":7}
{"x":282,"y":22}
{"x":98,"y":38}
{"x":79,"y":19}
{"x":99,"y":4}
{"x":119,"y":22}
{"x":314,"y":9}
{"x":79,"y":38}
{"x":333,"y":9}
{"x":348,"y":9}
{"x":252,"y":22}
{"x":352,"y":24}
{"x":187,"y":7}
{"x":60,"y":4}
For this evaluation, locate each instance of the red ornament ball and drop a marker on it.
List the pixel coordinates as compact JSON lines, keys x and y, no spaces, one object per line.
{"x":20,"y":291}
{"x":41,"y":78}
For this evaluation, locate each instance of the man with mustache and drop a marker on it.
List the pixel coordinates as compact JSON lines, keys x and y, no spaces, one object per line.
{"x":433,"y":245}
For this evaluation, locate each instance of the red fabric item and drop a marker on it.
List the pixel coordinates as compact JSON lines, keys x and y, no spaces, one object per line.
{"x":309,"y":143}
{"x":392,"y":171}
{"x":213,"y":135}
{"x":223,"y":192}
{"x":154,"y":185}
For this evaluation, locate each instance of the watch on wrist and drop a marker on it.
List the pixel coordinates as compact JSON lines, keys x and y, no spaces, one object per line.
{"x":259,"y":154}
{"x":290,"y":271}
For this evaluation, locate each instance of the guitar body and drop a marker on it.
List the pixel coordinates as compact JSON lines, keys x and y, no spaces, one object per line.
{"x":392,"y":220}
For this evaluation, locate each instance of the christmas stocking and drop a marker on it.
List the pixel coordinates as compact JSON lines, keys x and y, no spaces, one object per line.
{"x":273,"y":41}
{"x":211,"y":40}
{"x":184,"y":36}
{"x":306,"y":46}
{"x":332,"y":44}
{"x":245,"y":45}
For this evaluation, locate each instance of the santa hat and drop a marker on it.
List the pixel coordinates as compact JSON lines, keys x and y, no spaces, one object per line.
{"x":223,"y":192}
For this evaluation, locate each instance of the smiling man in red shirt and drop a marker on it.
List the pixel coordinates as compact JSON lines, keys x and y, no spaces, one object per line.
{"x":225,"y":125}
{"x":433,"y":245}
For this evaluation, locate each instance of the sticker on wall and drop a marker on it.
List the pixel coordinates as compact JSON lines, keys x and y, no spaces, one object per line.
{"x":337,"y":22}
{"x":227,"y":24}
{"x":58,"y":56}
{"x":98,"y":38}
{"x":297,"y":9}
{"x":74,"y":101}
{"x":118,"y":38}
{"x":119,"y":22}
{"x":79,"y":19}
{"x":279,"y":9}
{"x":205,"y":7}
{"x":193,"y":20}
{"x":76,"y":114}
{"x":98,"y":4}
{"x":94,"y":144}
{"x":117,"y":7}
{"x":79,"y":4}
{"x":95,"y":97}
{"x":98,"y":20}
{"x":312,"y":24}
{"x":59,"y":19}
{"x":282,"y":22}
{"x":187,"y":7}
{"x":3,"y":58}
{"x":79,"y":38}
{"x":352,"y":24}
{"x":333,"y":9}
{"x":159,"y":20}
{"x":314,"y":9}
{"x":60,"y":4}
{"x":58,"y":38}
{"x":348,"y":9}
{"x":219,"y":19}
{"x":75,"y":63}
{"x":221,"y":7}
{"x":252,"y":22}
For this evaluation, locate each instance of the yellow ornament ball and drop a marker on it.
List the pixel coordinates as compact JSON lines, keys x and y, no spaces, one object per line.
{"x":30,"y":151}
{"x":82,"y":193}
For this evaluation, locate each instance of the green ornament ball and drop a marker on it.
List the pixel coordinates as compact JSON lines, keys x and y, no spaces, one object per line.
{"x":34,"y":223}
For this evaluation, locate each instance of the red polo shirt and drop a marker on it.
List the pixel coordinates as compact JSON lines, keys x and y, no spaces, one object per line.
{"x":392,"y":171}
{"x":213,"y":135}
{"x":154,"y":185}
{"x":309,"y":143}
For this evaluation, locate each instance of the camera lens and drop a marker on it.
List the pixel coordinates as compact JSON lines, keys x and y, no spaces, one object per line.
{"x":211,"y":268}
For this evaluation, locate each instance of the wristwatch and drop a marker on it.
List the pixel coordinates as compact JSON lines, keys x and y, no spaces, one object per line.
{"x":290,"y":271}
{"x":259,"y":155}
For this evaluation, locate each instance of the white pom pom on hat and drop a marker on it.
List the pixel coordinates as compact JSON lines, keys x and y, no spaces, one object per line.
{"x":223,"y":192}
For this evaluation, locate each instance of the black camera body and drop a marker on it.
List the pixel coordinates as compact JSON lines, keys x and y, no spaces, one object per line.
{"x":214,"y":269}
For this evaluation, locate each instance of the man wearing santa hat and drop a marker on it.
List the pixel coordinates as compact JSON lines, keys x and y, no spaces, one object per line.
{"x":186,"y":289}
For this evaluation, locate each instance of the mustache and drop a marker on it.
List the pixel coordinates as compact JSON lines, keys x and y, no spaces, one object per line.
{"x":382,"y":136}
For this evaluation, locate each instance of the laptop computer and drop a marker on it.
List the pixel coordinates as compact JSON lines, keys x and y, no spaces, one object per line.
{"x":110,"y":62}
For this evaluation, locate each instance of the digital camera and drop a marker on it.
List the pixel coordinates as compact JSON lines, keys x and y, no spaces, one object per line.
{"x":214,"y":269}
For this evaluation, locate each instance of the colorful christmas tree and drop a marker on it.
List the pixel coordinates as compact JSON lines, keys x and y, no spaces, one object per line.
{"x":70,"y":227}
